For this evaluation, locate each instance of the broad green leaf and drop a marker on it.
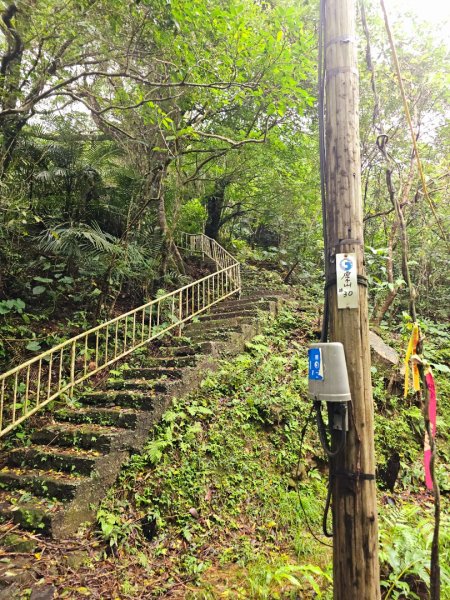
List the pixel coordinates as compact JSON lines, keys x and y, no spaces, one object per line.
{"x":38,"y":290}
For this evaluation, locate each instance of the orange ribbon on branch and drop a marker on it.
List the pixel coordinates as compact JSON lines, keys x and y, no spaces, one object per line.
{"x":411,"y":356}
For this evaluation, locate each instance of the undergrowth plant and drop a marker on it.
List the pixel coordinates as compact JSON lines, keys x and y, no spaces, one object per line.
{"x":215,"y":494}
{"x":217,"y":487}
{"x":406,"y":533}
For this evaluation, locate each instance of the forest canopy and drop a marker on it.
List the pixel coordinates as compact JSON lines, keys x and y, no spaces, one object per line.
{"x":123,"y":124}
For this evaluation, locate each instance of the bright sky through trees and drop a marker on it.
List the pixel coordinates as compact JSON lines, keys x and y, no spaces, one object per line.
{"x":434,"y":11}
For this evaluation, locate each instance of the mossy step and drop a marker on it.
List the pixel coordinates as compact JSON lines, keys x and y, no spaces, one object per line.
{"x":159,"y":386}
{"x":125,"y":418}
{"x":116,"y":399}
{"x":214,"y":333}
{"x":245,"y":305}
{"x":27,"y":510}
{"x":55,"y":459}
{"x":152,"y":373}
{"x":172,"y":341}
{"x":219,"y":324}
{"x":177,"y":362}
{"x":48,"y":484}
{"x":264,"y":296}
{"x":250,"y":313}
{"x":86,"y":437}
{"x":247,"y":302}
{"x":187,"y":349}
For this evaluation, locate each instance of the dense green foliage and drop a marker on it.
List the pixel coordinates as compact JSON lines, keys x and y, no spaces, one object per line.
{"x":213,"y":500}
{"x":117,"y":133}
{"x":123,"y":124}
{"x":212,"y":504}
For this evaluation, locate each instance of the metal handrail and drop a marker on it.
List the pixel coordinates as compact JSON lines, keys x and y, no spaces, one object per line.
{"x":207,"y":246}
{"x":30,"y":386}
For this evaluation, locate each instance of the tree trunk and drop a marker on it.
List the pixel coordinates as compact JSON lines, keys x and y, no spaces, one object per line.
{"x":383,"y":305}
{"x":11,"y":129}
{"x":215,"y":203}
{"x":10,"y":125}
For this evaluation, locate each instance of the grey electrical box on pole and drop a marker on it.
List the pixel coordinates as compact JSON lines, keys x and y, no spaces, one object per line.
{"x":327,"y":373}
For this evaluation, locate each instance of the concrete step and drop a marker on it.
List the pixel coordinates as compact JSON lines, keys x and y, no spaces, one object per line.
{"x":264,"y":295}
{"x":48,"y":484}
{"x":28,"y":511}
{"x":117,"y":399}
{"x":53,"y":502}
{"x":125,"y":418}
{"x":85,"y":437}
{"x":152,"y":373}
{"x":188,"y":350}
{"x":260,"y":297}
{"x":68,"y":461}
{"x":231,"y":314}
{"x":216,"y":336}
{"x":176,"y":362}
{"x":217,"y":325}
{"x":225,"y":335}
{"x":158,"y":386}
{"x":263,"y":304}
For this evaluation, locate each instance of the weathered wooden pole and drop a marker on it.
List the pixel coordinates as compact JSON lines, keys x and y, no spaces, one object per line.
{"x":355,"y":521}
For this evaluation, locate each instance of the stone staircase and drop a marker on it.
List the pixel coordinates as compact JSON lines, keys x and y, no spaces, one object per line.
{"x":55,"y":484}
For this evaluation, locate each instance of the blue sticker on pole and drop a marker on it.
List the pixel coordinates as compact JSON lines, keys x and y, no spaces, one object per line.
{"x":315,"y":365}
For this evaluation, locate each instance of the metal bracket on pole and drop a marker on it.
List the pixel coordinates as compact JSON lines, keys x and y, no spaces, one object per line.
{"x":341,"y":39}
{"x":338,"y":70}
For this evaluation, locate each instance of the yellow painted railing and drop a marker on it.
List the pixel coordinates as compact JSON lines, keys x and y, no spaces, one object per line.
{"x":30,"y":386}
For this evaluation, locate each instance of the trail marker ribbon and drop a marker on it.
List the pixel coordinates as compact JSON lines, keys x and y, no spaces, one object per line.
{"x":411,"y":356}
{"x":432,"y":411}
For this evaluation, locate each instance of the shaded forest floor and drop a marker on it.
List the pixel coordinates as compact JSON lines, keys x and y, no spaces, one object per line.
{"x":211,"y":508}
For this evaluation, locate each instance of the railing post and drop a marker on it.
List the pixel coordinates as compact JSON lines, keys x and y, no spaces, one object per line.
{"x":180,"y":312}
{"x":2,"y":402}
{"x":72,"y":369}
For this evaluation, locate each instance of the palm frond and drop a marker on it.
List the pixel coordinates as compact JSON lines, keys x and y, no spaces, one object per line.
{"x":67,"y":240}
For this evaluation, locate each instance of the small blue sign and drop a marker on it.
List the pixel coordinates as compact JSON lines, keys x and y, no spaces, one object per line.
{"x":315,"y":368}
{"x":346,"y":264}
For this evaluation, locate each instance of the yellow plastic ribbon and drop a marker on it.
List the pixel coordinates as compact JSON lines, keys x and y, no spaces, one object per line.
{"x":410,"y":353}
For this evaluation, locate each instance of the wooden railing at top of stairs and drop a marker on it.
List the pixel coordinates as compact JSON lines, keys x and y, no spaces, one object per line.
{"x":27,"y":388}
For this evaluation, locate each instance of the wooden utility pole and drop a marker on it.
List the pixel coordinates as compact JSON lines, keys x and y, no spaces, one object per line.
{"x":355,"y":521}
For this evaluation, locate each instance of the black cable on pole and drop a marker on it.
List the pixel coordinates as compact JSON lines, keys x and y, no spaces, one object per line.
{"x":308,"y":525}
{"x":316,"y":407}
{"x":322,"y":154}
{"x":323,"y":195}
{"x":326,"y":510}
{"x":323,"y":434}
{"x":330,"y":453}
